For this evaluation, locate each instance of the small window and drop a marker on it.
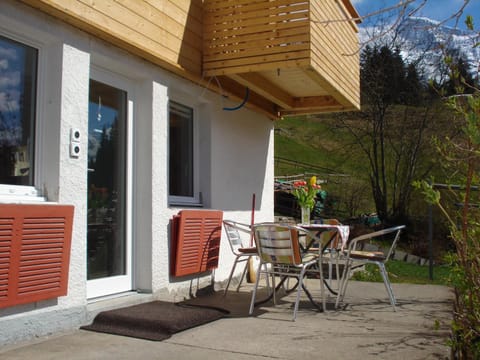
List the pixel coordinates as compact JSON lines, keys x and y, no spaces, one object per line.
{"x":18,"y":82}
{"x":182,"y":154}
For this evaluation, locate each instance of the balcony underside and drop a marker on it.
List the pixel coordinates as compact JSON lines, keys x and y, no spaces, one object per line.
{"x":294,"y":91}
{"x":295,"y":57}
{"x":300,"y":55}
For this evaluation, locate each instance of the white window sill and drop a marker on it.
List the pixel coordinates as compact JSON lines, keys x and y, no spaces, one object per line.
{"x":16,"y":199}
{"x":20,"y":194}
{"x":185,"y":204}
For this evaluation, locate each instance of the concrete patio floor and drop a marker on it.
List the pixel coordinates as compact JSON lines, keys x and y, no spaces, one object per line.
{"x":366,"y":328}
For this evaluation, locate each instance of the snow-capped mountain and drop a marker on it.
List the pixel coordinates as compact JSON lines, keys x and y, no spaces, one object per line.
{"x":421,"y":40}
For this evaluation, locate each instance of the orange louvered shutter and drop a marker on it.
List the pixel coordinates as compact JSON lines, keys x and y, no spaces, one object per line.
{"x":34,"y":252}
{"x":196,"y":240}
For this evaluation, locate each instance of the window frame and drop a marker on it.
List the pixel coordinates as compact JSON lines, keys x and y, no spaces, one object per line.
{"x":196,"y":199}
{"x":30,"y":193}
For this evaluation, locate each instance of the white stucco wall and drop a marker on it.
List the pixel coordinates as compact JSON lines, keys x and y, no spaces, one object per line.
{"x":242,"y":165}
{"x":236,"y":161}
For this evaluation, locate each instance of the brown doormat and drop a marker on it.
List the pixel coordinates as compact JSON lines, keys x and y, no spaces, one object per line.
{"x":156,"y":320}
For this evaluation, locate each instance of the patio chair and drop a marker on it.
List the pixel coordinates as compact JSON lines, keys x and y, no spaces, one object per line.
{"x":354,"y":257}
{"x":331,"y":241}
{"x":280,"y":255}
{"x":239,"y":235}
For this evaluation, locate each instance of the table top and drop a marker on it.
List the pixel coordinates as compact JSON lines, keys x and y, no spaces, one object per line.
{"x":343,"y":230}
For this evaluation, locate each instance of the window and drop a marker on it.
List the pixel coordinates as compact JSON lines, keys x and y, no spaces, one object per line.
{"x":18,"y":77}
{"x":182,"y":187}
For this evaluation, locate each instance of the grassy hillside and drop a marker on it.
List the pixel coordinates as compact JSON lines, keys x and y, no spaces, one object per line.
{"x":316,"y":141}
{"x":312,"y":141}
{"x":309,"y":140}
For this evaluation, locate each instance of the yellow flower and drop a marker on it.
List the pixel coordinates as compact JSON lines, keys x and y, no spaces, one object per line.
{"x":313,"y":181}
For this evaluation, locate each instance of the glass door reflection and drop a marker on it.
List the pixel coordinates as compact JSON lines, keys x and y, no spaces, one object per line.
{"x":107,"y":128}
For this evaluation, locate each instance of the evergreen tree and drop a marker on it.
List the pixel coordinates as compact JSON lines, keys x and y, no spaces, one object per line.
{"x":414,"y":90}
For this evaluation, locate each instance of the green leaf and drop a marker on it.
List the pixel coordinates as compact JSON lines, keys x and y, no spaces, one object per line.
{"x":469,"y":22}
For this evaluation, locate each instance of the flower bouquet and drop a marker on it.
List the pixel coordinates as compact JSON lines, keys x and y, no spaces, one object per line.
{"x":305,"y":194}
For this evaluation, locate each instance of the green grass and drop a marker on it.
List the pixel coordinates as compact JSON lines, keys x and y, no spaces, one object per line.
{"x":403,"y":272}
{"x":313,"y":142}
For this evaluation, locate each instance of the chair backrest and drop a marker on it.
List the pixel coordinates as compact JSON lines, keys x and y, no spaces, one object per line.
{"x":238,"y":234}
{"x":395,"y":231}
{"x":330,"y":236}
{"x":277,"y":243}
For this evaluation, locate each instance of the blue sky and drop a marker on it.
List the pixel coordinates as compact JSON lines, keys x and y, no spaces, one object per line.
{"x":434,"y":9}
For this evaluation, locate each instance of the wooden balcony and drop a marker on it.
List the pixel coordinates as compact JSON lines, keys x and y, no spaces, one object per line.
{"x":301,"y":55}
{"x":293,"y":56}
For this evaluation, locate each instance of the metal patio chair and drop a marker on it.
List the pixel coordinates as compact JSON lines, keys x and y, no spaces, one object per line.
{"x":354,"y":257}
{"x":331,"y":242}
{"x":239,"y":235}
{"x":281,"y":256}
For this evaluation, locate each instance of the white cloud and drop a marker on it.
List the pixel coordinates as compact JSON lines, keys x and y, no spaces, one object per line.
{"x":8,"y":53}
{"x":3,"y":64}
{"x":9,"y":79}
{"x":7,"y":104}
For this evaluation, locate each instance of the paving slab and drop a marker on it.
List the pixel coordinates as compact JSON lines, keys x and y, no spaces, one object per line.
{"x":365,"y":328}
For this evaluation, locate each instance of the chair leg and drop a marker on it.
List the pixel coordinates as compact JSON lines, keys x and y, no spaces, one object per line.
{"x":330,"y":269}
{"x":267,"y":280}
{"x":254,"y":293}
{"x":243,"y":274}
{"x":388,"y":286}
{"x":322,"y":287}
{"x":299,"y":290}
{"x":337,"y":270}
{"x":342,"y":288}
{"x":230,"y":277}
{"x":274,"y":290}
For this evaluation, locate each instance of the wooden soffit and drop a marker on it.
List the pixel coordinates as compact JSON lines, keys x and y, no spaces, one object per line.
{"x":294,"y":57}
{"x":300,"y":55}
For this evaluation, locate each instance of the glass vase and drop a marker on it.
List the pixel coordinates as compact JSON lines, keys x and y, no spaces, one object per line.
{"x":305,"y":215}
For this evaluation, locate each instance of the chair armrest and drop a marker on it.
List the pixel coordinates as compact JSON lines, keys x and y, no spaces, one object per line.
{"x":238,"y":226}
{"x":249,"y":250}
{"x":353,"y":243}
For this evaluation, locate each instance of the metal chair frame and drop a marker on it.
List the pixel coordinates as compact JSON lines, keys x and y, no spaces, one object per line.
{"x":330,"y":240}
{"x":242,"y":251}
{"x":353,"y":258}
{"x":280,"y":255}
